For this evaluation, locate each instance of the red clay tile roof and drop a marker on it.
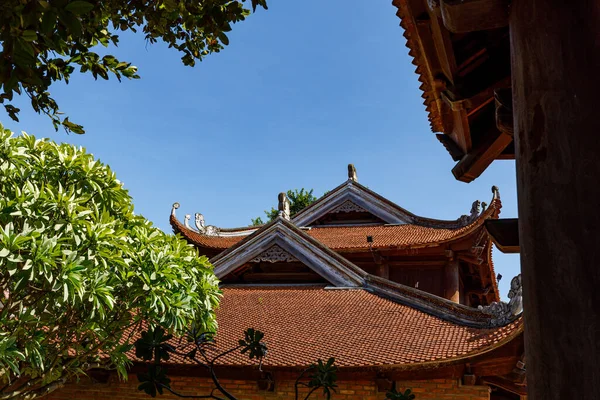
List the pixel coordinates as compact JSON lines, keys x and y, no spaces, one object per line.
{"x":358,"y":328}
{"x":200,"y":240}
{"x":351,"y":237}
{"x":354,"y":237}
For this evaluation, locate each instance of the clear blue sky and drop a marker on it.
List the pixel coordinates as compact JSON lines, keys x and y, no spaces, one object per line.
{"x":302,"y":90}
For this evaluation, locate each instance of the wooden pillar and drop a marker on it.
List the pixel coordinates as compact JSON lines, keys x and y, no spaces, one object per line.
{"x":555,"y":48}
{"x":383,"y":271}
{"x":451,"y":281}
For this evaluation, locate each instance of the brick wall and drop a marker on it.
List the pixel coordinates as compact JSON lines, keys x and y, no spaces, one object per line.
{"x":435,"y":389}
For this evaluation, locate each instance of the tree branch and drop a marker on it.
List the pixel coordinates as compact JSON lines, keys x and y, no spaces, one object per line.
{"x":311,"y":392}
{"x":224,"y":354}
{"x":298,"y":380}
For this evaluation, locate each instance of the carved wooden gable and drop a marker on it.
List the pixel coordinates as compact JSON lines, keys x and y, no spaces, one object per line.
{"x":282,"y":253}
{"x":352,"y":203}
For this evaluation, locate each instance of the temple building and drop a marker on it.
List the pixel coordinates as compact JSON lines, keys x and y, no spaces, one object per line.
{"x":397,"y":299}
{"x":393,"y":296}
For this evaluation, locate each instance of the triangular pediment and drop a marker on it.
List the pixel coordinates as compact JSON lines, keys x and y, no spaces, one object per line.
{"x":282,"y":242}
{"x":352,"y":200}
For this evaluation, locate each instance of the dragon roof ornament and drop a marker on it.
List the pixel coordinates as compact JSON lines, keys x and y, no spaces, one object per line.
{"x":209,"y":230}
{"x":284,"y":206}
{"x":502,"y":312}
{"x":477,"y":208}
{"x":352,"y":173}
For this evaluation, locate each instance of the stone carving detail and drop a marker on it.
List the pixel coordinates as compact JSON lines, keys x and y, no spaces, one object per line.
{"x":175,"y":207}
{"x":186,"y":221}
{"x":284,"y":206}
{"x":274,"y":254}
{"x":208,"y":230}
{"x":502,"y":312}
{"x":496,"y":192}
{"x":475,"y":212}
{"x":348,"y":206}
{"x":352,"y":173}
{"x":199,"y":222}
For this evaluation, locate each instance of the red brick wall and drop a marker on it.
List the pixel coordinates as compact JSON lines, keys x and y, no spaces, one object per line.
{"x":435,"y":389}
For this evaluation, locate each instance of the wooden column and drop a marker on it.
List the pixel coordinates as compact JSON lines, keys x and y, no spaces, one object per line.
{"x":383,"y":271}
{"x":555,"y":48}
{"x":451,"y":281}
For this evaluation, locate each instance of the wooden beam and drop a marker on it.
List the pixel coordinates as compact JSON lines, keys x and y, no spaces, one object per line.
{"x":470,"y":259}
{"x":475,"y":162}
{"x":460,"y":131}
{"x":461,"y":16}
{"x":504,"y":110}
{"x":455,"y":151}
{"x":505,"y":384}
{"x":443,"y":45}
{"x":504,"y":233}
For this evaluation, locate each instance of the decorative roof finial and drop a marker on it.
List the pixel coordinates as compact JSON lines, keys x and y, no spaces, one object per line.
{"x":502,"y":312}
{"x":475,"y":209}
{"x":209,"y":230}
{"x":496,"y":192}
{"x":284,"y":206}
{"x":175,"y":207}
{"x":186,"y":221}
{"x":199,"y":222}
{"x":352,"y":173}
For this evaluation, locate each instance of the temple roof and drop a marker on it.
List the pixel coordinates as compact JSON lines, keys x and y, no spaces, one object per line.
{"x":406,"y":230}
{"x":358,"y":328}
{"x":349,"y":237}
{"x":360,"y":319}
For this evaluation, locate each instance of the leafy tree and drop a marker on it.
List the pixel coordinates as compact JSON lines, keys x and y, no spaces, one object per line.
{"x":299,"y":200}
{"x":43,"y":41}
{"x":80,"y":272}
{"x":154,"y":346}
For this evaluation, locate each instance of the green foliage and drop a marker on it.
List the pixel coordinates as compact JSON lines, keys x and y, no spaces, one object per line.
{"x":43,"y":41}
{"x":155,"y":346}
{"x":79,"y":271}
{"x":323,"y":376}
{"x":256,"y":221}
{"x":253,"y":345}
{"x":154,"y":380}
{"x":395,"y":395}
{"x":299,"y":200}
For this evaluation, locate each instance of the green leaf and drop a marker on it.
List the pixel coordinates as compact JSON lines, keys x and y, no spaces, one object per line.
{"x":79,"y":7}
{"x":29,"y":36}
{"x":48,"y":22}
{"x":67,"y":229}
{"x":223,"y":37}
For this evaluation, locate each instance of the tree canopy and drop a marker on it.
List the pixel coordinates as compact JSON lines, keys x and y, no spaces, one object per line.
{"x":80,"y":272}
{"x":299,"y":200}
{"x":43,"y":41}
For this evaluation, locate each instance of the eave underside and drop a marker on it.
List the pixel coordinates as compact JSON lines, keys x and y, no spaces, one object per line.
{"x":465,"y":78}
